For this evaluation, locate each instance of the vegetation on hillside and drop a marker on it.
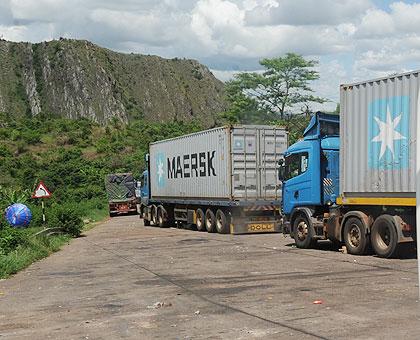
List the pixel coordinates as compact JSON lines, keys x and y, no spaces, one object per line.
{"x":71,"y":157}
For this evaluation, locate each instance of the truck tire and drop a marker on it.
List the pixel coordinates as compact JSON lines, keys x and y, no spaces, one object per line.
{"x":200,"y":220}
{"x":161,"y":217}
{"x":355,"y":236}
{"x":154,"y":215}
{"x":143,"y":215}
{"x":222,"y":225}
{"x":303,"y":232}
{"x":384,"y":237}
{"x":210,"y":221}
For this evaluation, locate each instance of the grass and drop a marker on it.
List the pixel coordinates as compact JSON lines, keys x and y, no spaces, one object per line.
{"x":95,"y":216}
{"x":36,"y":248}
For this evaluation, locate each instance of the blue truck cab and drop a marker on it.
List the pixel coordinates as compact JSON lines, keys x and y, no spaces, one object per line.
{"x":310,"y":175}
{"x":144,"y":188}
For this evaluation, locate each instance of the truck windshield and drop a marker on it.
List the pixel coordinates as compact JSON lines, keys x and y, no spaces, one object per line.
{"x":295,"y":165}
{"x":329,"y":128}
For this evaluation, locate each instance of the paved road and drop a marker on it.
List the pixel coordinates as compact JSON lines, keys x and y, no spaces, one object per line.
{"x":108,"y":285}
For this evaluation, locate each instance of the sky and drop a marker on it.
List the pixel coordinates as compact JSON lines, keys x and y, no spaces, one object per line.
{"x":351,"y":39}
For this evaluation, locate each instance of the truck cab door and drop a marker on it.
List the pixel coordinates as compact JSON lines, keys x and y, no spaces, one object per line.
{"x":298,"y":181}
{"x":145,"y":188}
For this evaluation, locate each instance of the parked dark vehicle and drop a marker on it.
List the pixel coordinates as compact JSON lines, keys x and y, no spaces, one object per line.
{"x":120,"y":189}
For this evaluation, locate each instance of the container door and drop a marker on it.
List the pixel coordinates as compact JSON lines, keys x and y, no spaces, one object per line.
{"x":256,"y":151}
{"x":272,"y":143}
{"x":244,"y":163}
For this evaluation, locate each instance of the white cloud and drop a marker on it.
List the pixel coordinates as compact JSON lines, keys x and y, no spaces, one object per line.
{"x":13,"y":33}
{"x":223,"y":75}
{"x":376,"y":23}
{"x":386,"y":59}
{"x":406,"y":16}
{"x":308,"y":12}
{"x":43,"y":10}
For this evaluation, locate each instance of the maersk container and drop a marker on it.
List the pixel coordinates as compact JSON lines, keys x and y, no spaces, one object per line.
{"x":236,"y":163}
{"x":378,"y":137}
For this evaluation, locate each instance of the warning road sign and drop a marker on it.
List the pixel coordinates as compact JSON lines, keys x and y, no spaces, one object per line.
{"x":41,"y":191}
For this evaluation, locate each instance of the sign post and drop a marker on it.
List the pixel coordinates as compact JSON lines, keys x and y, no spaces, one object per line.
{"x":42,"y":192}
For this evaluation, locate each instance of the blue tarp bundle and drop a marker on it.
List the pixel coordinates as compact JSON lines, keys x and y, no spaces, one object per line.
{"x":18,"y":215}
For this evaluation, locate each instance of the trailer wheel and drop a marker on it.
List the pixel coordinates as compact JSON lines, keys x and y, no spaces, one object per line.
{"x":222,"y":225}
{"x":201,"y":220}
{"x":161,"y":217}
{"x":303,"y":232}
{"x":355,"y":236}
{"x":154,"y":215}
{"x":384,"y":237}
{"x":210,"y":221}
{"x":146,"y":221}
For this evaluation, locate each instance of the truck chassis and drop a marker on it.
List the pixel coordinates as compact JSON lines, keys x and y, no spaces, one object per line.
{"x":221,"y":217}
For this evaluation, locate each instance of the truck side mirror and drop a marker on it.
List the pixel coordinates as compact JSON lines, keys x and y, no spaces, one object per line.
{"x":281,"y":170}
{"x":146,"y":158}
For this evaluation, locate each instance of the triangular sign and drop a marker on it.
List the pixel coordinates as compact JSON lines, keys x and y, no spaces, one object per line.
{"x":41,"y":191}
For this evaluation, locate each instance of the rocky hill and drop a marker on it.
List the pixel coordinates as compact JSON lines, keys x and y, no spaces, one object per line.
{"x":75,"y":78}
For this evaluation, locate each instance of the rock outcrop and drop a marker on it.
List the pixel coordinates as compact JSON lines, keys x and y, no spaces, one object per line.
{"x":75,"y":78}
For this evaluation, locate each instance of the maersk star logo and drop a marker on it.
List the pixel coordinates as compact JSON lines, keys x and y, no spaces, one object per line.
{"x":388,"y":133}
{"x":160,"y":169}
{"x":388,"y":126}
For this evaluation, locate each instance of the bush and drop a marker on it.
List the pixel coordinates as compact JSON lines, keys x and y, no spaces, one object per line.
{"x":5,"y":151}
{"x":10,"y":239}
{"x":66,"y":218}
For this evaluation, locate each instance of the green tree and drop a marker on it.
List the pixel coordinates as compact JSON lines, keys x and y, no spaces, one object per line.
{"x":282,"y":89}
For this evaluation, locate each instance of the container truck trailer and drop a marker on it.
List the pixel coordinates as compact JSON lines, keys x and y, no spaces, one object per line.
{"x":224,"y":179}
{"x":352,"y":178}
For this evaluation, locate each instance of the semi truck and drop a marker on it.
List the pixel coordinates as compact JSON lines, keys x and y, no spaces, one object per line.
{"x":352,"y":177}
{"x":120,"y":188}
{"x":221,"y":180}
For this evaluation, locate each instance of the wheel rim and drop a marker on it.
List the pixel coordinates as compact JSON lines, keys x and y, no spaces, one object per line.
{"x":199,"y":220}
{"x":354,"y":236}
{"x":154,"y":217}
{"x":383,"y":237}
{"x":302,"y":230}
{"x":209,"y":222}
{"x":219,"y":223}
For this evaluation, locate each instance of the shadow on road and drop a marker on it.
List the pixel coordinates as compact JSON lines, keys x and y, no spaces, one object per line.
{"x":406,"y":251}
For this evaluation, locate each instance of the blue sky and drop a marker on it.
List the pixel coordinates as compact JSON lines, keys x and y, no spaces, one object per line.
{"x":351,"y":39}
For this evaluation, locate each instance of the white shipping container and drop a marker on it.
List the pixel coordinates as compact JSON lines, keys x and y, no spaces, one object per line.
{"x":378,"y":137}
{"x":227,"y":163}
